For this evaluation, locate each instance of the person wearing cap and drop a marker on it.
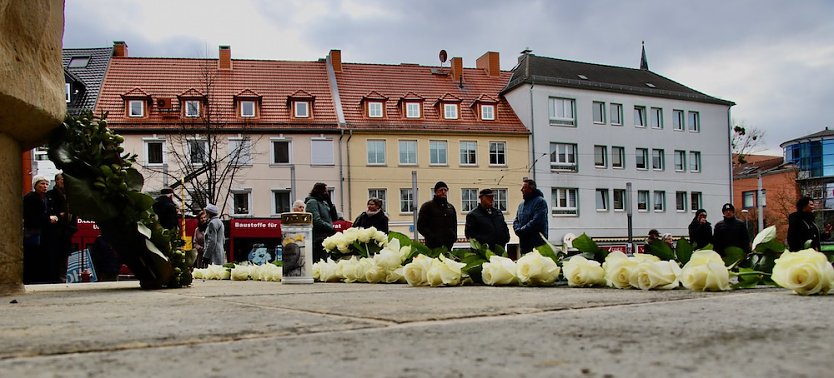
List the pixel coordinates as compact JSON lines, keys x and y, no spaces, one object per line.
{"x":37,"y":224}
{"x":803,"y":232}
{"x":60,"y":244}
{"x":166,"y":209}
{"x":324,"y":213}
{"x":730,"y":232}
{"x":654,"y":235}
{"x":530,"y":222}
{"x":373,"y":217}
{"x":700,"y":230}
{"x":486,"y":224}
{"x":214,"y":238}
{"x":437,"y":220}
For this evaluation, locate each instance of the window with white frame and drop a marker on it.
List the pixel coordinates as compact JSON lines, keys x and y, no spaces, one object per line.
{"x":450,"y":111}
{"x":468,"y":199}
{"x":563,"y":156}
{"x":247,"y":109}
{"x":619,"y":199}
{"x":438,"y":152}
{"x":412,"y":109}
{"x":281,"y":202}
{"x":376,"y":152}
{"x":748,"y":199}
{"x":408,"y":152}
{"x":564,"y":201}
{"x":617,"y":114}
{"x":694,"y":161}
{"x":640,"y":116}
{"x":468,"y":152}
{"x":656,"y":119}
{"x":379,"y":194}
{"x":599,"y":112}
{"x":321,"y":152}
{"x":641,"y":158}
{"x":497,"y":153}
{"x":281,"y":151}
{"x":659,"y":200}
{"x":302,"y":109}
{"x":642,"y":200}
{"x":602,"y":199}
{"x":375,"y":109}
{"x":192,"y":108}
{"x":680,"y":161}
{"x":617,"y":157}
{"x":680,"y":201}
{"x":198,"y":151}
{"x":657,"y":160}
{"x":561,"y":111}
{"x":694,"y":122}
{"x":500,"y":199}
{"x":136,"y":108}
{"x":695,"y":199}
{"x":600,"y":156}
{"x":241,"y":204}
{"x":487,"y":112}
{"x":407,"y":201}
{"x":154,"y":152}
{"x":677,"y":120}
{"x":67,"y":89}
{"x":240,"y":151}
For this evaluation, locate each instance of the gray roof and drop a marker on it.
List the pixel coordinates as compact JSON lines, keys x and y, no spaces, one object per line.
{"x":566,"y":73}
{"x":91,"y":76}
{"x":819,"y":135}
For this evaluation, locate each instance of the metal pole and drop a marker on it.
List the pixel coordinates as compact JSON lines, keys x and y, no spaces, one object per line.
{"x":414,"y":203}
{"x":759,"y":195}
{"x":294,"y":196}
{"x":628,"y":215}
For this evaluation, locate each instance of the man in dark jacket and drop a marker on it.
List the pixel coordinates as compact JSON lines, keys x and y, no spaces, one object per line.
{"x":803,"y":229}
{"x":730,"y":232}
{"x":486,"y":224}
{"x":324,"y":213}
{"x":531,"y":218}
{"x":700,"y":231}
{"x":437,"y":220}
{"x":61,"y":242}
{"x":165,"y":209}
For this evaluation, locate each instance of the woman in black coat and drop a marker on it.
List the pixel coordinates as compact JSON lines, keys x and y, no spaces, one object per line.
{"x":803,"y":229}
{"x":373,"y":217}
{"x":700,"y":231}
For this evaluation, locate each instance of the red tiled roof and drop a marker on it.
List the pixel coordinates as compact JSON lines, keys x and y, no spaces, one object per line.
{"x":400,"y":83}
{"x":273,"y":81}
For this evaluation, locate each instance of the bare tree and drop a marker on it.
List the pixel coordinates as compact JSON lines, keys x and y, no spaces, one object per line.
{"x":745,"y":140}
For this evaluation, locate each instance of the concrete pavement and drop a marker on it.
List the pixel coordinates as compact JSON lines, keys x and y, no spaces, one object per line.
{"x":229,"y":328}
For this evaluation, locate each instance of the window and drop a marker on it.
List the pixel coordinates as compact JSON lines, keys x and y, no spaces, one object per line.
{"x":247,"y":109}
{"x":497,"y":153}
{"x":67,"y":89}
{"x":561,"y":111}
{"x":656,"y":120}
{"x":642,"y":200}
{"x":78,"y":62}
{"x":376,"y":152}
{"x":154,"y":154}
{"x":302,"y":109}
{"x":408,"y":152}
{"x":375,"y":110}
{"x":748,"y":199}
{"x":321,"y":152}
{"x":680,"y":201}
{"x":695,"y":201}
{"x":617,"y":114}
{"x":240,"y":151}
{"x":136,"y":108}
{"x":563,"y":157}
{"x":694,"y":122}
{"x":641,"y":157}
{"x":281,"y":152}
{"x":412,"y":110}
{"x":241,"y":203}
{"x":694,"y":161}
{"x":197,"y":151}
{"x":488,"y":112}
{"x":192,"y":108}
{"x":659,"y":200}
{"x":680,"y":161}
{"x":602,"y":199}
{"x":617,"y":157}
{"x":640,"y":116}
{"x":406,"y":201}
{"x":600,"y":156}
{"x":468,"y":152}
{"x":468,"y":199}
{"x":619,"y":199}
{"x":500,"y":199}
{"x":378,"y":193}
{"x":657,"y":160}
{"x":450,"y":111}
{"x":677,"y":120}
{"x":564,"y":201}
{"x":281,"y":201}
{"x":438,"y":152}
{"x":599,"y":112}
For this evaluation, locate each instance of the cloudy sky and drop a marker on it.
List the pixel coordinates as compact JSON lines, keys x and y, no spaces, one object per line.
{"x":773,"y":58}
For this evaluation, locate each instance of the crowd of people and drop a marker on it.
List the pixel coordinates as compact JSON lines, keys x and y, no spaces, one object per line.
{"x":48,"y":226}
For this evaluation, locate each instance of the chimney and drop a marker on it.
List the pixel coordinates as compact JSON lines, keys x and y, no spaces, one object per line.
{"x":225,"y":61}
{"x":457,"y":69}
{"x":490,"y":63}
{"x":335,"y":58}
{"x":119,"y":49}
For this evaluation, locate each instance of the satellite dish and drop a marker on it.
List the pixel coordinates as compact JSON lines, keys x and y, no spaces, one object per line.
{"x":443,"y":56}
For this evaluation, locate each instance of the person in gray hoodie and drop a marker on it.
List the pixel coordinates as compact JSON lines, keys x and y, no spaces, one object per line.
{"x":215,"y":238}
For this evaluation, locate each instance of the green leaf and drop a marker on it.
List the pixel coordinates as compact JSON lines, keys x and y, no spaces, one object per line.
{"x":140,"y":201}
{"x":144,"y":230}
{"x":88,"y":203}
{"x":683,"y":251}
{"x":733,"y":255}
{"x":660,"y":249}
{"x":771,"y":246}
{"x":152,"y":248}
{"x":546,"y":250}
{"x":585,"y":244}
{"x":134,"y":180}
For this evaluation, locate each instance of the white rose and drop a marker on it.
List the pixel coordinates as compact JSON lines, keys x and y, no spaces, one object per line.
{"x":705,"y":271}
{"x":444,"y":271}
{"x":764,"y":236}
{"x":618,"y":269}
{"x":655,"y":275}
{"x":388,"y":259}
{"x":535,"y":269}
{"x":198,"y":274}
{"x":581,"y":272}
{"x":404,"y":252}
{"x":328,"y":271}
{"x":273,"y":273}
{"x":215,"y":272}
{"x":241,"y":272}
{"x":350,"y":235}
{"x":704,"y":256}
{"x":350,"y":270}
{"x":380,"y":237}
{"x":644,"y":257}
{"x":374,"y":273}
{"x":395,"y":276}
{"x":499,"y":271}
{"x":415,"y":271}
{"x":364,"y":234}
{"x":329,"y":243}
{"x":255,"y":272}
{"x":805,"y":272}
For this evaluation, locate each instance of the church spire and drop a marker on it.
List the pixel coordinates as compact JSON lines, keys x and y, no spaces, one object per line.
{"x":644,"y":63}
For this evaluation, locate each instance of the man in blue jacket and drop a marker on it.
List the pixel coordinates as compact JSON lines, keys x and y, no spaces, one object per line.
{"x":531,"y":218}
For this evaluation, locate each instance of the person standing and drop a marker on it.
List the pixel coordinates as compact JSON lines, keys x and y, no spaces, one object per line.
{"x":373,"y":217}
{"x":215,"y":238}
{"x":36,"y":226}
{"x":530,"y":222}
{"x":730,"y":232}
{"x":60,"y":242}
{"x":802,"y":229}
{"x":700,"y":230}
{"x":166,"y":209}
{"x":486,"y":224}
{"x":198,"y":242}
{"x":437,"y":219}
{"x":324,"y":213}
{"x":298,"y":206}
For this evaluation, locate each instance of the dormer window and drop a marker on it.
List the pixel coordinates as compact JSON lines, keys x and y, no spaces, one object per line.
{"x":136,"y":108}
{"x":78,"y":62}
{"x":192,"y":108}
{"x":375,"y":109}
{"x":412,"y":110}
{"x":247,"y":109}
{"x":67,"y":89}
{"x":488,"y":112}
{"x":450,"y":111}
{"x":301,"y":109}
